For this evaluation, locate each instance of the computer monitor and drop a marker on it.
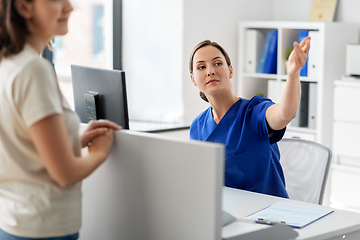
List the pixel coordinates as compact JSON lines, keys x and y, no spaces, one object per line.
{"x":155,"y":187}
{"x":100,"y":94}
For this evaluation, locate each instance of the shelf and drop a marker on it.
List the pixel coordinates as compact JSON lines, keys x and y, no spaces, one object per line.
{"x":283,"y":24}
{"x":260,"y":75}
{"x":303,"y":79}
{"x":275,"y":76}
{"x":329,"y":41}
{"x":301,"y":129}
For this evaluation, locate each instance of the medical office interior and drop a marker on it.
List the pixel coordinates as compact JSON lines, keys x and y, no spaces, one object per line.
{"x":157,"y":38}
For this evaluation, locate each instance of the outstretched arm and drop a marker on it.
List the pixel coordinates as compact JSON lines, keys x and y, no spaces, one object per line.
{"x":280,"y":114}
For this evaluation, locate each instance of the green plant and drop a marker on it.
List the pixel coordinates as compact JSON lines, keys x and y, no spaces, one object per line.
{"x":287,"y":53}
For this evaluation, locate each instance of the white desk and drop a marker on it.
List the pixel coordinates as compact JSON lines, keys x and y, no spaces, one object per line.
{"x":155,"y":127}
{"x":334,"y":226}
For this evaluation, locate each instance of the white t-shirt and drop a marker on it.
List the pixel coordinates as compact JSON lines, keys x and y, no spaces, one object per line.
{"x":31,"y":203}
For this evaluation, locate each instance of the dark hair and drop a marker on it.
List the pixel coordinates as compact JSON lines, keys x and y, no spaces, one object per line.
{"x":13,"y":29}
{"x":201,"y":45}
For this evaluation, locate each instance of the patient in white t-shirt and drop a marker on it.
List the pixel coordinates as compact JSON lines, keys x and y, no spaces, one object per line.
{"x":41,"y":167}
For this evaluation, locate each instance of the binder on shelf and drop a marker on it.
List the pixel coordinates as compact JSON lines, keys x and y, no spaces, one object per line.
{"x":264,"y":53}
{"x":304,"y":70}
{"x":271,"y":59}
{"x":282,"y":86}
{"x":313,"y":56}
{"x":301,"y":119}
{"x":312,"y":105}
{"x":254,"y":41}
{"x":272,"y":91}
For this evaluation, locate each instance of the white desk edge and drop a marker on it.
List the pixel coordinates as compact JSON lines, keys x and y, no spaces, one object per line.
{"x":243,"y":203}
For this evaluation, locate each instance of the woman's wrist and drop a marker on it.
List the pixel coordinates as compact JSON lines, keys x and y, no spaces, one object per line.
{"x":295,"y":74}
{"x":98,"y":156}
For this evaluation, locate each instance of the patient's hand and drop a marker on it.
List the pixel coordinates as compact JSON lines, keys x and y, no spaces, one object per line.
{"x":95,"y":129}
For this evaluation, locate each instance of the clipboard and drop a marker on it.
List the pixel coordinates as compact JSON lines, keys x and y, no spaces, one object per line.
{"x":291,"y":214}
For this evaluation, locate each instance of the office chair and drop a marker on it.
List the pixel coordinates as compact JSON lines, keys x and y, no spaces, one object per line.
{"x":306,"y":166}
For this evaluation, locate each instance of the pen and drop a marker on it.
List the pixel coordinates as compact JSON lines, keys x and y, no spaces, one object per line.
{"x":261,"y":220}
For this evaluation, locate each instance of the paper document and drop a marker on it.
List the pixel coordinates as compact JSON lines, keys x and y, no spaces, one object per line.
{"x":290,"y":214}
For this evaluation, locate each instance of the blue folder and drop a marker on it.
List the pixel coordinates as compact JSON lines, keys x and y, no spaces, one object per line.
{"x":264,"y":53}
{"x":303,"y":34}
{"x":271,"y":59}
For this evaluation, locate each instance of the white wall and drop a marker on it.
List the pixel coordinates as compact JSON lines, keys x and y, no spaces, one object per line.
{"x":218,"y":20}
{"x":347,"y":10}
{"x":291,"y":10}
{"x":294,"y":10}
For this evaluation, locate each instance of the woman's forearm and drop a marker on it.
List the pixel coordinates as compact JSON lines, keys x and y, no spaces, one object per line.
{"x":51,"y":141}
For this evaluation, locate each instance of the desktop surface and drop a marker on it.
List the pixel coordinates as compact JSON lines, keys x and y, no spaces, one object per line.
{"x":332,"y":226}
{"x":156,"y":127}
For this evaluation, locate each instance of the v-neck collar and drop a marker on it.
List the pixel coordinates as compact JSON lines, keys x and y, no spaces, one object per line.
{"x":210,"y":124}
{"x":232,"y":106}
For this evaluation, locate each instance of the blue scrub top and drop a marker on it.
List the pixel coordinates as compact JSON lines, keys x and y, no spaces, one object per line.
{"x":252,"y":156}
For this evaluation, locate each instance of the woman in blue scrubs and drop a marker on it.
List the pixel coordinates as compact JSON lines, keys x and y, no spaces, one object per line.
{"x":250,"y":128}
